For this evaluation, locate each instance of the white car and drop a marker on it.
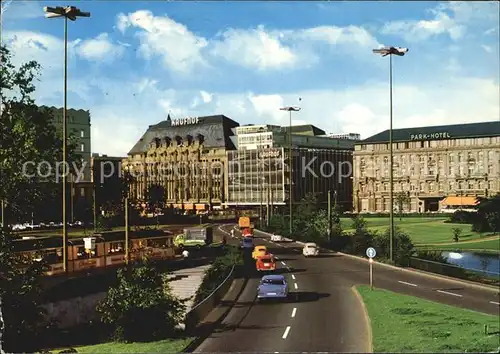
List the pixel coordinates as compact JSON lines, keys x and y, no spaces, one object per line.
{"x":310,"y":249}
{"x":276,"y":238}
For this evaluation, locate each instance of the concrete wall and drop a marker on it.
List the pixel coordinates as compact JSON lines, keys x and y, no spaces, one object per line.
{"x":75,"y":311}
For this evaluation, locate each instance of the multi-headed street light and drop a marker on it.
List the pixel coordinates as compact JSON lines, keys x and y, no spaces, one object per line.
{"x":69,"y":13}
{"x":390,"y":51}
{"x":290,"y":109}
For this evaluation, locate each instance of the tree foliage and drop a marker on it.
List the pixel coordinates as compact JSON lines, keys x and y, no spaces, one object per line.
{"x":488,"y":215}
{"x":402,"y":202}
{"x":27,"y":136}
{"x":141,"y":307}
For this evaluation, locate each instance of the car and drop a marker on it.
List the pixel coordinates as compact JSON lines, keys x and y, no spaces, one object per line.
{"x":276,"y":238}
{"x":265,"y":263}
{"x":272,"y":287}
{"x":247,"y":243}
{"x":310,"y":249}
{"x":259,"y":251}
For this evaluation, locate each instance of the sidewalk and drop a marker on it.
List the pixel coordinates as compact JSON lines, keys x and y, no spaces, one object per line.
{"x":185,"y":283}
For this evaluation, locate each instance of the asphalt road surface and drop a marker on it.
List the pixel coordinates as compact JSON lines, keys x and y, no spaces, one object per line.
{"x":325,"y":315}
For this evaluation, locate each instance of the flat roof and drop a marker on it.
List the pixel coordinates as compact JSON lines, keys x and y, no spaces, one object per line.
{"x":439,"y":132}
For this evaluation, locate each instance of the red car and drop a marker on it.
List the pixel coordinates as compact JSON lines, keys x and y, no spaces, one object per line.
{"x":266,"y":263}
{"x":247,"y":232}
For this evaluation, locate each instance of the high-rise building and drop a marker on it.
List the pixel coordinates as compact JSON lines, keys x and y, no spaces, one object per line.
{"x":435,"y":168}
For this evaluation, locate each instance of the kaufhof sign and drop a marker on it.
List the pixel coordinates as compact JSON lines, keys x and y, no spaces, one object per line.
{"x":269,"y":154}
{"x":431,"y":136}
{"x":185,"y":121}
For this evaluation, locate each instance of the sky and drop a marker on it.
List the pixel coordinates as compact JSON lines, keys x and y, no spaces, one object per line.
{"x":133,"y":62}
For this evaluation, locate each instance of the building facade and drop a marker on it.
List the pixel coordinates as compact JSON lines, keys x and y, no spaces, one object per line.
{"x":187,"y":158}
{"x":434,"y":168}
{"x":78,"y":124}
{"x":259,"y":172}
{"x":107,"y":180}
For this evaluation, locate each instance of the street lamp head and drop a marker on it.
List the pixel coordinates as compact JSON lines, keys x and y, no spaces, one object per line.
{"x":290,"y":109}
{"x":69,"y":12}
{"x":391,"y":51}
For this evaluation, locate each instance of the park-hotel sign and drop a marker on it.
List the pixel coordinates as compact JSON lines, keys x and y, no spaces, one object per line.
{"x":431,"y":136}
{"x":185,"y":121}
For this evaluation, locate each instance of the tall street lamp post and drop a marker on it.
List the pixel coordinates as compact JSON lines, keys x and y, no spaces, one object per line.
{"x":68,"y":13}
{"x":290,"y":109}
{"x":390,"y":51}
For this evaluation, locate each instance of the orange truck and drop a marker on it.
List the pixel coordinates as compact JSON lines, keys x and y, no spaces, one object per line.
{"x":246,"y":227}
{"x":265,"y":263}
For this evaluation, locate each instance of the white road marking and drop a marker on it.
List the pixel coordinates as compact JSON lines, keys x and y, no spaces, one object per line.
{"x":448,"y":293}
{"x":286,"y":332}
{"x":294,"y":311}
{"x":410,"y":284}
{"x":495,"y":303}
{"x":293,"y":277}
{"x":283,"y":263}
{"x":295,"y":285}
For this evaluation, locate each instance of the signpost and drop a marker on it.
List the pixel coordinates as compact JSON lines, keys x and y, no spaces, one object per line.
{"x":371,"y":253}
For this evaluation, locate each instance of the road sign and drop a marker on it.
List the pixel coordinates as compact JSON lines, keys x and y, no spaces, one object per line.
{"x":370,"y":252}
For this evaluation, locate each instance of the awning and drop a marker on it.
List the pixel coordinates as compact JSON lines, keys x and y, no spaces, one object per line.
{"x":200,"y":206}
{"x":189,"y":206}
{"x":462,"y":201}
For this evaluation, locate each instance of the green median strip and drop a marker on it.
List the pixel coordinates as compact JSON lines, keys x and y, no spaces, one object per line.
{"x":161,"y":346}
{"x":402,"y":323}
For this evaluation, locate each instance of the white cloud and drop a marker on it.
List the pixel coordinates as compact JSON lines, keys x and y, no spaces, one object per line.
{"x":206,"y":97}
{"x":20,"y":10}
{"x":452,"y":18}
{"x":255,"y":48}
{"x":179,"y":48}
{"x":487,"y":48}
{"x":100,"y":49}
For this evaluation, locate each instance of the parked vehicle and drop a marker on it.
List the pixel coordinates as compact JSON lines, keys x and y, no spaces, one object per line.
{"x":259,"y":251}
{"x":310,"y":249}
{"x":265,"y":263}
{"x":246,"y":227}
{"x":272,"y":287}
{"x":194,"y":237}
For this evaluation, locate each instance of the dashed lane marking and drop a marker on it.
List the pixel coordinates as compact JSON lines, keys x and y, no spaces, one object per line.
{"x":448,"y":293}
{"x":495,"y":303}
{"x":294,"y":311}
{"x":403,"y":282}
{"x":287,"y":330}
{"x":293,"y":277}
{"x":283,"y":263}
{"x":295,"y":285}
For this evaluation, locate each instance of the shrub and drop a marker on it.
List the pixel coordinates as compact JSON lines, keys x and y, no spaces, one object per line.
{"x":462,"y":217}
{"x":215,"y":275}
{"x":141,"y":306}
{"x":456,"y":233}
{"x":434,"y":256}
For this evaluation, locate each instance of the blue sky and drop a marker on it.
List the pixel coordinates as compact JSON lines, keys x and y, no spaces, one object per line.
{"x":133,"y":62}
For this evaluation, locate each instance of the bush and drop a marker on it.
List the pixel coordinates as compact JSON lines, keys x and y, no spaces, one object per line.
{"x":462,"y":217}
{"x":141,"y":306}
{"x":434,"y":256}
{"x":215,"y":275}
{"x":403,"y":246}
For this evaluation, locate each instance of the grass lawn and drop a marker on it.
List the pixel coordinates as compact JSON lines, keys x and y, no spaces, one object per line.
{"x":162,"y":346}
{"x":402,"y":323}
{"x":488,"y":246}
{"x":422,"y":230}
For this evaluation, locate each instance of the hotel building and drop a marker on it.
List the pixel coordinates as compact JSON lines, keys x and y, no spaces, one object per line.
{"x":435,"y":168}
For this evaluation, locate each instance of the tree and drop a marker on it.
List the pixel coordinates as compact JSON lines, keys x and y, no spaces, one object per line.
{"x":402,"y":201}
{"x":26,"y":136}
{"x":141,"y":307}
{"x":155,"y":196}
{"x":456,"y":233}
{"x":488,"y":215}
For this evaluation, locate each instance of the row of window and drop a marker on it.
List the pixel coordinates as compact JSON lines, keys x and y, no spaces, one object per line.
{"x":431,"y":158}
{"x":470,"y":170}
{"x":432,"y":144}
{"x":432,"y":187}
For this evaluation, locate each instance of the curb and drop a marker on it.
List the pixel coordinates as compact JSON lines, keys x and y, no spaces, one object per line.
{"x":427,"y":274}
{"x":367,"y":319}
{"x":196,"y":342}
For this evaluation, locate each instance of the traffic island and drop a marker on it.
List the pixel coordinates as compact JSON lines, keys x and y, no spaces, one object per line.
{"x":402,"y":323}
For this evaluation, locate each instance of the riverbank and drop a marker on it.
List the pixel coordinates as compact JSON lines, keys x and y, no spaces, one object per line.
{"x":402,"y":323}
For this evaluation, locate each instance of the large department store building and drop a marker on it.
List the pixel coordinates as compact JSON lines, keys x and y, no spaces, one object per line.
{"x":187,"y":157}
{"x":436,"y":168}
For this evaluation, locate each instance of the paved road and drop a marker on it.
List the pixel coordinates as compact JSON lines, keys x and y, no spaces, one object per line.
{"x":325,"y":314}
